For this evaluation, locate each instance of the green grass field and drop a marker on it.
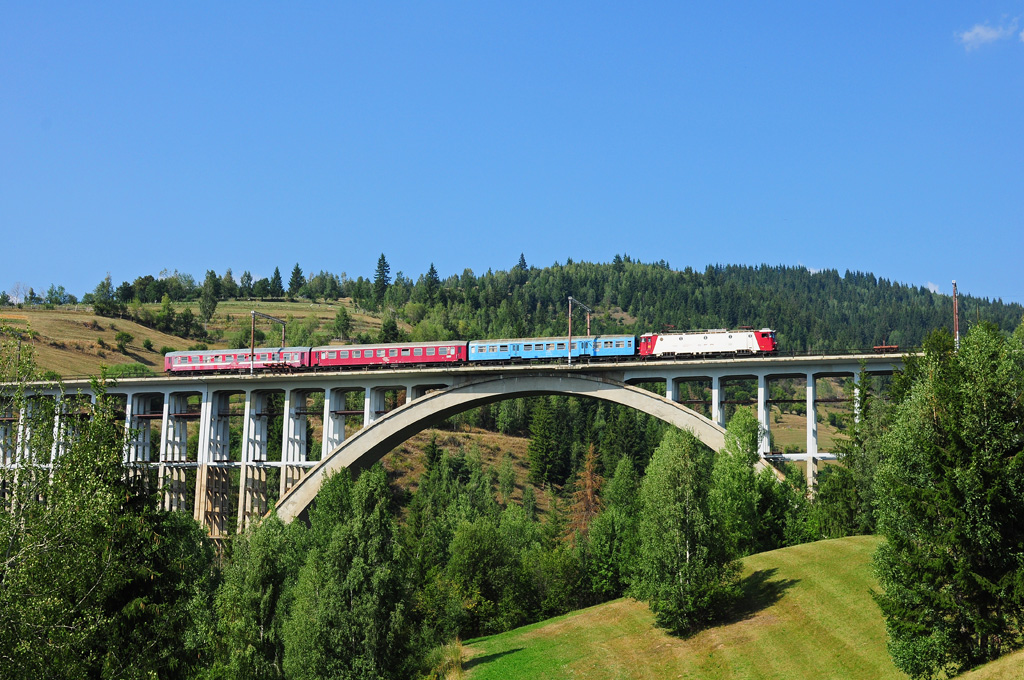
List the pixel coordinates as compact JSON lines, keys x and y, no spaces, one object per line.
{"x":807,"y":612}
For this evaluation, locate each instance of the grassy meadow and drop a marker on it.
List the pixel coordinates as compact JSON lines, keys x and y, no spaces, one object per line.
{"x":806,"y":612}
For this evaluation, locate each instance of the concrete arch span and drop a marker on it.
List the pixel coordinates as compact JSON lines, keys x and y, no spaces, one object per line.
{"x":371,"y":443}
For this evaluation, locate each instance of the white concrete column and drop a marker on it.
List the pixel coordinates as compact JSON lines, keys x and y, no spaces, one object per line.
{"x":203,"y":455}
{"x":812,"y":417}
{"x":174,"y":429}
{"x":372,"y":403}
{"x":212,"y":489}
{"x":254,"y":428}
{"x":764,"y":446}
{"x":137,"y":429}
{"x":173,"y":449}
{"x":334,"y":422}
{"x":220,"y":428}
{"x":252,"y":500}
{"x":206,"y":407}
{"x":293,"y":444}
{"x":717,"y":412}
{"x":671,"y":389}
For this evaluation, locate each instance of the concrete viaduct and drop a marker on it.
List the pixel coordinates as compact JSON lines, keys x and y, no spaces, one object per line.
{"x":227,"y":487}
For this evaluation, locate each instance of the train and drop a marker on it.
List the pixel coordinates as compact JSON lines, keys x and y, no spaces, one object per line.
{"x":701,"y":344}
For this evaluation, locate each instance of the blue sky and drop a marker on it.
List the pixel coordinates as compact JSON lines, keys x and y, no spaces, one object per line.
{"x":878,"y":136}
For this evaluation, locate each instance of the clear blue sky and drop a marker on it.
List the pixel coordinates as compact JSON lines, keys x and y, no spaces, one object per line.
{"x":874,"y":136}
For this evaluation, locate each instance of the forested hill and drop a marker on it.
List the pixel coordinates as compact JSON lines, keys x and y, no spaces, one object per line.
{"x":810,"y":310}
{"x":816,"y":311}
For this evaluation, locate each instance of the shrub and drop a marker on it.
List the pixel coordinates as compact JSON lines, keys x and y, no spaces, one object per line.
{"x":134,"y":370}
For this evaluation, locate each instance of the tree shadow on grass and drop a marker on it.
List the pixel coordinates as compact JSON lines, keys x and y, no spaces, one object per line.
{"x":758,"y":592}
{"x":487,"y":658}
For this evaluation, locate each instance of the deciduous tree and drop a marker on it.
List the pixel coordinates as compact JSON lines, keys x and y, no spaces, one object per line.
{"x":686,"y":571}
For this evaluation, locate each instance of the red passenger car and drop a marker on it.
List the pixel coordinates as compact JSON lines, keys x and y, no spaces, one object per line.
{"x":237,"y":360}
{"x":413,"y":354}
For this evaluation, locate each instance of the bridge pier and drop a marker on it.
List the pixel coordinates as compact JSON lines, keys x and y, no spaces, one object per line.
{"x":334,"y":419}
{"x":213,"y":487}
{"x":812,"y":415}
{"x":717,"y":413}
{"x":293,"y":448}
{"x":252,"y":501}
{"x":173,"y":477}
{"x":764,"y":446}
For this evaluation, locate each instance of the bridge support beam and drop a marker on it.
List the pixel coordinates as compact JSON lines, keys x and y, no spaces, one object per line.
{"x":763,"y":416}
{"x":174,"y":452}
{"x":812,"y":415}
{"x":252,"y":501}
{"x":717,"y":413}
{"x":213,"y":487}
{"x":373,"y":405}
{"x":293,"y":446}
{"x":139,"y":449}
{"x":334,"y":420}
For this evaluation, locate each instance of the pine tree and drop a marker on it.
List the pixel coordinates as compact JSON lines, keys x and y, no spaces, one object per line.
{"x":950,"y":502}
{"x":276,"y":286}
{"x":381,"y":280}
{"x":432,"y":283}
{"x":389,"y":331}
{"x":586,"y":503}
{"x":296,"y":281}
{"x":543,"y":448}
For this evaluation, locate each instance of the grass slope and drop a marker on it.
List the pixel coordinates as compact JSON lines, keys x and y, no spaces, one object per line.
{"x":1010,"y":667}
{"x":806,"y":613}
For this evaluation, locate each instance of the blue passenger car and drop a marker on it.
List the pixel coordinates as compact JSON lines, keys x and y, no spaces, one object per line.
{"x":606,"y":346}
{"x":537,"y":349}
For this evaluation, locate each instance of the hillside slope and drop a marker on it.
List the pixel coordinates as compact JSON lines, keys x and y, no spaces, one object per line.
{"x":807,"y":613}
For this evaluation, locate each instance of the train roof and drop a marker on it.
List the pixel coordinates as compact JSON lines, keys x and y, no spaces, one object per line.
{"x":237,"y":350}
{"x":560,"y":338}
{"x":709,"y":331}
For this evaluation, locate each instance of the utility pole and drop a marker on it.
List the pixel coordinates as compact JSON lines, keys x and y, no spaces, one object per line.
{"x":956,"y":319}
{"x":589,"y":312}
{"x":252,"y":334}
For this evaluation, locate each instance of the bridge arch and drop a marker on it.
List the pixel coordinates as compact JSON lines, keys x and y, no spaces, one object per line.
{"x":374,"y":441}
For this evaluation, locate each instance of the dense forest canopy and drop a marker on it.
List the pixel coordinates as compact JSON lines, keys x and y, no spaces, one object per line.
{"x":810,"y":310}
